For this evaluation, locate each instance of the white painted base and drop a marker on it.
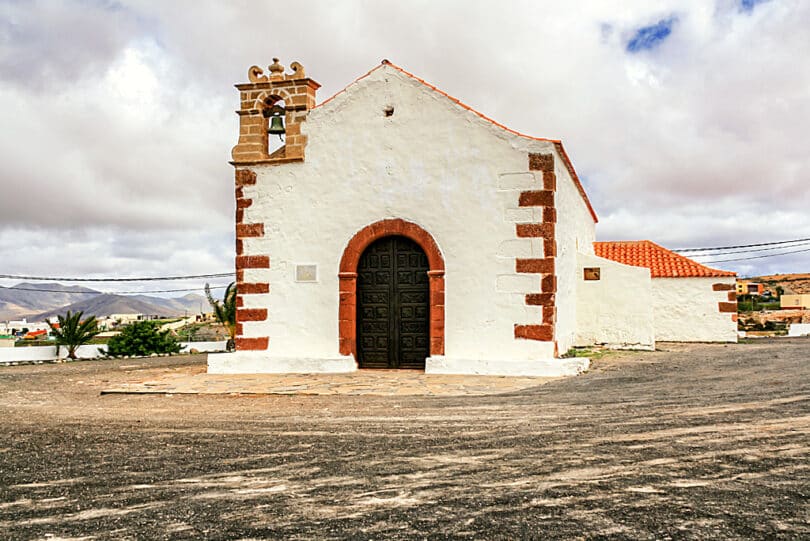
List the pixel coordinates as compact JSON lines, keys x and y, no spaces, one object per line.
{"x":799,"y":329}
{"x":259,"y":362}
{"x":537,"y":367}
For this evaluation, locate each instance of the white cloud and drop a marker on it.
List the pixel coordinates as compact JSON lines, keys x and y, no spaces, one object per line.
{"x":118,"y":117}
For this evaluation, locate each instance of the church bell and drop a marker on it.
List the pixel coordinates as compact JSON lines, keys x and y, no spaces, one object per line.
{"x":276,"y":121}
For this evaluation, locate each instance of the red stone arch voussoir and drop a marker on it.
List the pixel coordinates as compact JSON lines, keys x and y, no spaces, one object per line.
{"x":347,"y":313}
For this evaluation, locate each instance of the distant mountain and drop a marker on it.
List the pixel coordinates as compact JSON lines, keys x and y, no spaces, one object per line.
{"x":39,"y":301}
{"x":25,"y":299}
{"x":188,"y":304}
{"x":106,"y":304}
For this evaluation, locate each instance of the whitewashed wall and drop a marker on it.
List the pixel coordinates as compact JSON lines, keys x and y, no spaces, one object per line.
{"x":686,"y":310}
{"x":575,"y":234}
{"x":617,"y":309}
{"x":433,"y":163}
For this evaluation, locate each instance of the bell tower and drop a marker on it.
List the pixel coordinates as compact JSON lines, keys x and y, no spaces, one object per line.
{"x":264,"y":102}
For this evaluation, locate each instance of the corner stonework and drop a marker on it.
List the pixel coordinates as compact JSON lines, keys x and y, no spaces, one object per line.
{"x":257,"y":98}
{"x":246,"y":178}
{"x":729,"y":307}
{"x":545,"y":267}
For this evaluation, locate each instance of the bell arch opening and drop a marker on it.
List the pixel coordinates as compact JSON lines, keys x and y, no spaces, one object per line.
{"x":274,"y":113}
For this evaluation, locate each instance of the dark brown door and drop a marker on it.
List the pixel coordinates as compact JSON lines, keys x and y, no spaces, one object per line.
{"x":393,"y":305}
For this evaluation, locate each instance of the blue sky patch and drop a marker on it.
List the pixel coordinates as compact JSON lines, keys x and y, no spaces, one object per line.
{"x":649,"y":37}
{"x":748,"y":5}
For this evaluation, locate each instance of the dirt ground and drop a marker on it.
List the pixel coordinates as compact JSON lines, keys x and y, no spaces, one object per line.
{"x":700,"y":441}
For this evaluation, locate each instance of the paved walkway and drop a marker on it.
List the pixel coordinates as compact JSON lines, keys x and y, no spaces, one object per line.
{"x":363,"y":382}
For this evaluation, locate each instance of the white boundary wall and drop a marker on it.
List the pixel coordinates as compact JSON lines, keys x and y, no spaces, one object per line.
{"x":48,"y":353}
{"x":799,"y":329}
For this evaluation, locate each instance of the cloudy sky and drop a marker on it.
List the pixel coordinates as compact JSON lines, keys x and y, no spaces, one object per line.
{"x":686,"y":119}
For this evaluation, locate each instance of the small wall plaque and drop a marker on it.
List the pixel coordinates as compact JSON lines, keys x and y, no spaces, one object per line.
{"x":306,"y":273}
{"x":592,"y":273}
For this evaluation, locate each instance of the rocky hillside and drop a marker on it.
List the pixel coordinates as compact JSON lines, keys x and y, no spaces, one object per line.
{"x":791,"y":283}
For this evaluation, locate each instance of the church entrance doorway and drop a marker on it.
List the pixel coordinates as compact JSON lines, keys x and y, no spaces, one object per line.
{"x":393,"y":305}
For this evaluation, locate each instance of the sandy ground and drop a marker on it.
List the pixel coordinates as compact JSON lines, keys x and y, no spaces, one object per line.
{"x":700,"y":441}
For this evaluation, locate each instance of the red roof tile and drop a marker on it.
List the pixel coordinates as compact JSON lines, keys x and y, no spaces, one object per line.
{"x":662,"y":263}
{"x":557,"y":143}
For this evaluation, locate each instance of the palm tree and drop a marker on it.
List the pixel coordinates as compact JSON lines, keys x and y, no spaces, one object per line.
{"x":225,"y":311}
{"x":72,"y":332}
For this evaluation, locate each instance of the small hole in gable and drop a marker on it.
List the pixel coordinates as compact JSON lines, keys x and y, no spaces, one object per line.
{"x":389,"y":110}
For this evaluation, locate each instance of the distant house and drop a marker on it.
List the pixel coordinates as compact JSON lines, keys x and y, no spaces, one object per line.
{"x":746,"y":287}
{"x":22,"y":326}
{"x":795,"y":301}
{"x":41,"y":334}
{"x":690,"y":302}
{"x":124,"y":319}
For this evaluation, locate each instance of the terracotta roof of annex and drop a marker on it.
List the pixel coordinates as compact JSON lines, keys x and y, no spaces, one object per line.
{"x":662,"y":263}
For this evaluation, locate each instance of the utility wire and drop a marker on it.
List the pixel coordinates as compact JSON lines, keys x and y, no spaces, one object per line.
{"x":755,"y":257}
{"x":109,"y":293}
{"x":715,"y":248}
{"x":754,"y":250}
{"x":141,"y":279}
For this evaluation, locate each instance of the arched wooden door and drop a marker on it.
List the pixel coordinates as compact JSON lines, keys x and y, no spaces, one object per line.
{"x":393,"y":305}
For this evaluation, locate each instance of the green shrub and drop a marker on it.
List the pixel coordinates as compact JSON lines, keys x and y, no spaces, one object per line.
{"x":142,"y":338}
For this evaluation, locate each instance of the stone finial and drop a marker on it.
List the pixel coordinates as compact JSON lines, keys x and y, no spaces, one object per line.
{"x":298,"y":71}
{"x":276,"y":70}
{"x":256,"y":75}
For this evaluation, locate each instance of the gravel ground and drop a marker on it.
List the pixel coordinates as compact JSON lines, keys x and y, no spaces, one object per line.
{"x":698,"y":441}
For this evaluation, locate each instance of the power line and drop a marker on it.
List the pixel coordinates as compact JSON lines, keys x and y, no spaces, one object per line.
{"x":109,"y":293}
{"x":140,"y":279}
{"x":714,"y":248}
{"x":755,"y":257}
{"x":754,"y":250}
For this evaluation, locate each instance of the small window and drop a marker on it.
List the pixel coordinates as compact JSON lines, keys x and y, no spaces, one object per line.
{"x":306,"y":273}
{"x":592,"y":273}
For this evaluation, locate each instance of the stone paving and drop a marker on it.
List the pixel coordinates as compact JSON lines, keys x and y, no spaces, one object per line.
{"x":194,"y":380}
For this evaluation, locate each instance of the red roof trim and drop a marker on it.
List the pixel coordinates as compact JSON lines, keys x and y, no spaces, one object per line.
{"x":662,"y":263}
{"x":557,"y":143}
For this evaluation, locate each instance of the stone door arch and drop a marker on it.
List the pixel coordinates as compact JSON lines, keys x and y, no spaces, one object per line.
{"x":347,"y":312}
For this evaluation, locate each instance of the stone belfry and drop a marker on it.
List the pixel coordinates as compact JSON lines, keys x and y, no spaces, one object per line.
{"x":290,"y":95}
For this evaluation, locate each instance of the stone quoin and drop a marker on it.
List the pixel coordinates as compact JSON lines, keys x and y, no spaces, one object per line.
{"x":397,"y":227}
